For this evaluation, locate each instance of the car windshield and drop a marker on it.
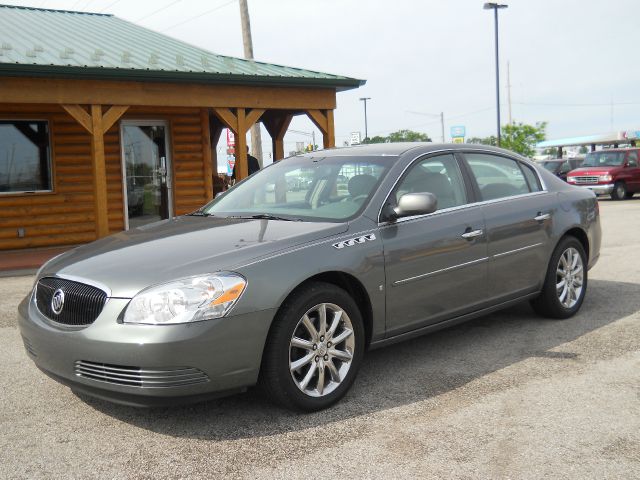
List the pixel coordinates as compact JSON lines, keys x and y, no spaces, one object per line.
{"x":552,"y":166}
{"x":604,"y":159}
{"x":304,"y":188}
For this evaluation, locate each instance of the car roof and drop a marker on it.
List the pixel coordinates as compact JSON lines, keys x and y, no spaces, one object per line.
{"x":397,"y":149}
{"x":617,"y":150}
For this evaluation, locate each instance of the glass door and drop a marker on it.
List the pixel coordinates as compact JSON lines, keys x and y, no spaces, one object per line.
{"x":147,"y":181}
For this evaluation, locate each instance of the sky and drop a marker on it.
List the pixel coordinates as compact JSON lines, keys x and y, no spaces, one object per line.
{"x":572,"y":63}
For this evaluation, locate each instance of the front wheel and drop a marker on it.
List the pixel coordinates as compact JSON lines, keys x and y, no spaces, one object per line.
{"x":565,"y":282}
{"x":314,"y":348}
{"x":619,"y":191}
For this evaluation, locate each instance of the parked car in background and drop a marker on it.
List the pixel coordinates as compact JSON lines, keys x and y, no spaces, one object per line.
{"x":285,"y":284}
{"x":561,"y":167}
{"x":612,"y":172}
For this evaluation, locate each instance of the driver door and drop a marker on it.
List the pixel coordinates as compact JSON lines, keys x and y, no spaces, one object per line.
{"x":435,"y":264}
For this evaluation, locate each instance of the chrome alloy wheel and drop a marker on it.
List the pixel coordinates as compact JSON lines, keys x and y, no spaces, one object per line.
{"x":321,"y":349}
{"x":569,"y":277}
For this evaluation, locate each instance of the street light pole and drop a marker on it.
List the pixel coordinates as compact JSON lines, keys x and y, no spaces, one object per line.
{"x":366,"y":132}
{"x":495,"y":7}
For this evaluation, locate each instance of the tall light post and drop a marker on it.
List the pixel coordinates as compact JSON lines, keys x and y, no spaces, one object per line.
{"x":366,"y":132}
{"x":495,"y":7}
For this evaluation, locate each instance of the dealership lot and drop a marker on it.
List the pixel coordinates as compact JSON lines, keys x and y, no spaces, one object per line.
{"x":510,"y":395}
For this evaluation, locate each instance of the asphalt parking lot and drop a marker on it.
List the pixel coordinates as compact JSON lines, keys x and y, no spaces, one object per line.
{"x":510,"y":395}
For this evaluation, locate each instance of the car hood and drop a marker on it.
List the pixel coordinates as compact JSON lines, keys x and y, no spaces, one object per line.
{"x":592,"y":171}
{"x":129,"y":261}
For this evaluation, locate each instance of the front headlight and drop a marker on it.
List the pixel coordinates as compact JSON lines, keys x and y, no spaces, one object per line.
{"x":605,"y":178}
{"x":571,"y":180}
{"x":192,"y":299}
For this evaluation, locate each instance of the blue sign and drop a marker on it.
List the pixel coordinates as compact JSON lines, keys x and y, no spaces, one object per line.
{"x":458,"y":131}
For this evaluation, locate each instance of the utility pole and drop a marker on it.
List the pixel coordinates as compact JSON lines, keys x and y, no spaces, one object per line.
{"x":442,"y":125}
{"x":364,"y":99}
{"x":509,"y":92}
{"x":256,"y":137}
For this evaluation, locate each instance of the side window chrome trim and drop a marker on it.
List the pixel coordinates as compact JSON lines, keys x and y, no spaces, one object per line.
{"x":459,"y":207}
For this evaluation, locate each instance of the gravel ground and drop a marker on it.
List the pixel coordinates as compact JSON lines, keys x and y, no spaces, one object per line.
{"x":509,"y":395}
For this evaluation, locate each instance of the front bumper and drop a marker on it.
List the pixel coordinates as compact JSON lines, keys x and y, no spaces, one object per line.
{"x":598,"y":189}
{"x":227,"y":352}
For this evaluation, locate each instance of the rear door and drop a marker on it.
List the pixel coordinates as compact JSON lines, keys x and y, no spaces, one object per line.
{"x":436,"y":264}
{"x":518,"y":215}
{"x":633,"y":182}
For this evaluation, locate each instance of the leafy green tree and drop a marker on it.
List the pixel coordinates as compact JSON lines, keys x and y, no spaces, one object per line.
{"x":492,"y":140}
{"x":583,"y":150}
{"x":522,"y":138}
{"x":376,"y":139}
{"x":408,"y":136}
{"x":399,"y":136}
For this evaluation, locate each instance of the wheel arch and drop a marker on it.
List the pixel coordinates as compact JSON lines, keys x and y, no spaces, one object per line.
{"x":353,"y":287}
{"x":579,"y":234}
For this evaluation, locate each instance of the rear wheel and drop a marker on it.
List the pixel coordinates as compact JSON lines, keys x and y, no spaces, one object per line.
{"x":566,"y":281}
{"x":619,"y":191}
{"x":314,"y":349}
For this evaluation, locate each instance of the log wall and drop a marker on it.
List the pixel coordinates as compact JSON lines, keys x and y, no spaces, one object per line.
{"x":66,"y":216}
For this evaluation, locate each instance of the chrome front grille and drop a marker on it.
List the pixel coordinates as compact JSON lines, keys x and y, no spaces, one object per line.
{"x":584,"y":180}
{"x":81,"y":306}
{"x":138,"y":376}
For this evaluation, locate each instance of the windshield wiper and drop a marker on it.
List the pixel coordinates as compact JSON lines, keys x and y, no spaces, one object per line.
{"x":267,"y":216}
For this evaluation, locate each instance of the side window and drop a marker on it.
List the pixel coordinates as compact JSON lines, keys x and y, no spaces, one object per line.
{"x":633,"y":159}
{"x":499,"y":177}
{"x":532,"y":178}
{"x":438,"y":175}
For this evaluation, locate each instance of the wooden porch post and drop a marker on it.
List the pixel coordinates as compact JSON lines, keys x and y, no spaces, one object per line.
{"x":277,"y":125}
{"x":97,"y":125}
{"x":206,"y":153}
{"x":240,"y":122}
{"x":323,"y":119}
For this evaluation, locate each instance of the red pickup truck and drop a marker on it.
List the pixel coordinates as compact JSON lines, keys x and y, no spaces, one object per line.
{"x":612,"y":172}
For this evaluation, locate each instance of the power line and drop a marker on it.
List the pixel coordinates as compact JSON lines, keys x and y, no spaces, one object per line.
{"x":198,"y":16}
{"x":157,"y":11}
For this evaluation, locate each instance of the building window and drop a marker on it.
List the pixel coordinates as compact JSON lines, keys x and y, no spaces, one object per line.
{"x":25,"y":164}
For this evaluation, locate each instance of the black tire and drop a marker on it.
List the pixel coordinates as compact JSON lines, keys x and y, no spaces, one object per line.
{"x":276,"y":379}
{"x":629,"y":195}
{"x":619,"y":191}
{"x":548,"y":303}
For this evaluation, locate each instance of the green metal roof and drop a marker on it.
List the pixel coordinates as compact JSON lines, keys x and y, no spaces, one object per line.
{"x":60,"y":43}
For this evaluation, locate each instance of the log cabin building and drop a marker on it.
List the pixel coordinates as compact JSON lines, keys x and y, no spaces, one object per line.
{"x":105,"y":125}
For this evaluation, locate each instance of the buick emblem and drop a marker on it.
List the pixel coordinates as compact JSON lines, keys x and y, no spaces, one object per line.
{"x":57,"y":301}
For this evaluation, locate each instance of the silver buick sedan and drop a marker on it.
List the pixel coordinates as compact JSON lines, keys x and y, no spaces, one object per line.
{"x":286,"y":280}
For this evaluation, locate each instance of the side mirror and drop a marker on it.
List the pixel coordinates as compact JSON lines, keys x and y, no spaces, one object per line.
{"x":415,"y":204}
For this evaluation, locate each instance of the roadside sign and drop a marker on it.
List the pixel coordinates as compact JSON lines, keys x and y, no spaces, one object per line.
{"x":458,"y":131}
{"x":231,"y":138}
{"x":356,"y":139}
{"x":458,"y":139}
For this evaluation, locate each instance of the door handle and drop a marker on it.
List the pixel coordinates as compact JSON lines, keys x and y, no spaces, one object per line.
{"x":472,"y":234}
{"x":542,"y":217}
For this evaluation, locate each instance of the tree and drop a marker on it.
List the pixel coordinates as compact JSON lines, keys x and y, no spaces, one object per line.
{"x":492,"y":140}
{"x":518,"y":137}
{"x":399,"y":136}
{"x":522,"y":138}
